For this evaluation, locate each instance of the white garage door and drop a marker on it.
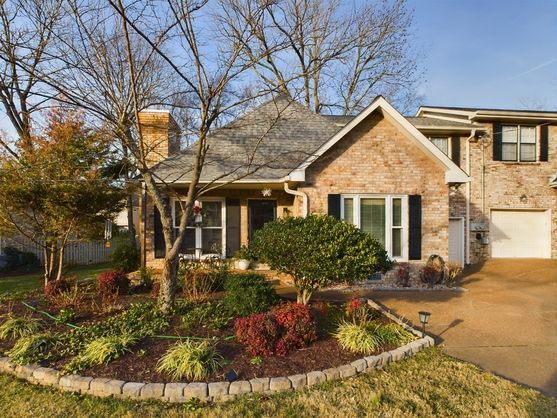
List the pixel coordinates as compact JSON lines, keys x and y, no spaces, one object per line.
{"x":520,"y":234}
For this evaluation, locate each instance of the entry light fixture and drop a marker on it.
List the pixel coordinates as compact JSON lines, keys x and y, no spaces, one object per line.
{"x":266,"y":192}
{"x":424,"y":319}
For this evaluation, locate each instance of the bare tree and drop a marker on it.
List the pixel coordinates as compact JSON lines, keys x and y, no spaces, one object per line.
{"x":26,"y":29}
{"x":210,"y":68}
{"x":327,"y":55}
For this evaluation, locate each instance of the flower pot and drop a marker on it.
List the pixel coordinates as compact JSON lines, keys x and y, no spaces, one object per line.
{"x":243,"y":264}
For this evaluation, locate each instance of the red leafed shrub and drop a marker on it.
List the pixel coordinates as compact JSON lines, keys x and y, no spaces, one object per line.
{"x":113,"y":282}
{"x":287,"y":327}
{"x":297,"y":326}
{"x":55,"y":287}
{"x":259,"y":333}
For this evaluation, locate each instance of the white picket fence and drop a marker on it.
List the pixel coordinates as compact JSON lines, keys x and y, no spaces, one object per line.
{"x":77,"y":253}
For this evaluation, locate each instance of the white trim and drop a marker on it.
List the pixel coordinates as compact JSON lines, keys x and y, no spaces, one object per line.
{"x":199,"y":231}
{"x":453,"y":173}
{"x":356,"y":198}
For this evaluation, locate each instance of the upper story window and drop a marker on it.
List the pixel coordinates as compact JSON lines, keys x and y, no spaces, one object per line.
{"x":442,"y":143}
{"x":518,"y":143}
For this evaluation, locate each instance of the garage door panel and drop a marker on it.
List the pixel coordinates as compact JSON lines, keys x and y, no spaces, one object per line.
{"x":520,"y":234}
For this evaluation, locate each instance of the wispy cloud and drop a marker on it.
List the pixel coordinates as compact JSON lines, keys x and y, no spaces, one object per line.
{"x":531,"y":70}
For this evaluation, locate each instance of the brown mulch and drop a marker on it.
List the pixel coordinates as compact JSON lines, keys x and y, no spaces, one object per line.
{"x":140,"y":364}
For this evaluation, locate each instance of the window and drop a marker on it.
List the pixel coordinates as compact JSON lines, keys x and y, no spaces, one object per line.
{"x":384,"y":217}
{"x":209,"y":238}
{"x":518,"y":143}
{"x":442,"y":143}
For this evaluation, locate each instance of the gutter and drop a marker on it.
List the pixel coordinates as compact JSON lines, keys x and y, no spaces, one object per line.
{"x":303,"y":195}
{"x":468,"y":195}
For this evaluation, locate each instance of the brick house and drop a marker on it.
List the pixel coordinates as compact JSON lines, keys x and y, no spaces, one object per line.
{"x":467,"y":184}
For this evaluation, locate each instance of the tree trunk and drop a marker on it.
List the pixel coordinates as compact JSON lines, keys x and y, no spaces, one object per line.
{"x":131,"y":225}
{"x":50,"y":261}
{"x":167,"y":290}
{"x":60,"y":263}
{"x":303,"y":296}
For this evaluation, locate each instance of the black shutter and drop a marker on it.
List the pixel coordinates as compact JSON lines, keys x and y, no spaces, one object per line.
{"x":544,"y":142}
{"x":455,"y":150}
{"x":415,"y":227}
{"x":497,"y":142}
{"x":232,"y":226}
{"x":160,"y":247}
{"x":334,"y":205}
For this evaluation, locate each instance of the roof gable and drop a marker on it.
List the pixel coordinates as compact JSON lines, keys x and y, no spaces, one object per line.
{"x":453,"y":173}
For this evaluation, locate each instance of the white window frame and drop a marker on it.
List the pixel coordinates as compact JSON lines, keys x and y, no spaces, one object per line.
{"x":519,"y":142}
{"x":199,"y":231}
{"x":449,"y":145}
{"x":388,"y":218}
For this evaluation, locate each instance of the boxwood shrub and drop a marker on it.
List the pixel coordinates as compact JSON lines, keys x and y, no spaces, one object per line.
{"x":318,"y":251}
{"x":248,"y":293}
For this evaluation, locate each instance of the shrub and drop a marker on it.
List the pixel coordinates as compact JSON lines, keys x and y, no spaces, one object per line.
{"x":68,"y":296}
{"x":192,"y":360}
{"x":318,"y":251}
{"x":210,"y":315}
{"x":287,"y":327}
{"x":19,"y":260}
{"x":244,"y":253}
{"x":102,"y":350}
{"x":146,"y":278}
{"x":298,"y":329}
{"x":360,"y":312}
{"x":66,"y":315}
{"x":434,"y":270}
{"x":259,"y":333}
{"x":403,"y":274}
{"x":125,"y":256}
{"x":18,"y":327}
{"x":113,"y":282}
{"x":32,"y":348}
{"x":248,"y":293}
{"x":55,"y":287}
{"x":198,"y":283}
{"x":369,"y":337}
{"x":357,"y":338}
{"x":453,"y":272}
{"x":155,"y":290}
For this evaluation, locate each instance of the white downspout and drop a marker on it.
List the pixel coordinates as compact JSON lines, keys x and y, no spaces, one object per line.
{"x":468,"y":195}
{"x":300,"y":194}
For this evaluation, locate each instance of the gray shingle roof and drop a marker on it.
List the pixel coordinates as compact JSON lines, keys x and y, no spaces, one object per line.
{"x":267,"y":143}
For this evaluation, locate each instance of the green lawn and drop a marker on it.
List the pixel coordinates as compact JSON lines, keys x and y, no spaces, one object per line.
{"x":32,"y":281}
{"x":430,"y":384}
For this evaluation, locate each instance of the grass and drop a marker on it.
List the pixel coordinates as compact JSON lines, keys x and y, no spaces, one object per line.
{"x":430,"y":384}
{"x":32,"y":281}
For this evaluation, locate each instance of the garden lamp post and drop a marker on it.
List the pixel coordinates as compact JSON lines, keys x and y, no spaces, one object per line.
{"x":198,"y":222}
{"x":424,"y":319}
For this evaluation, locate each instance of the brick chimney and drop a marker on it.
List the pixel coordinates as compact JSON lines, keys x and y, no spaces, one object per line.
{"x":161,"y":135}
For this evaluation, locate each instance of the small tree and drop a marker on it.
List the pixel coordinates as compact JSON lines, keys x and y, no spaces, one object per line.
{"x":318,"y":251}
{"x":55,"y":192}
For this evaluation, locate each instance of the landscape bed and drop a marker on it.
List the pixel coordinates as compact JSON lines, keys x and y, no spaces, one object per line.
{"x":121,"y":336}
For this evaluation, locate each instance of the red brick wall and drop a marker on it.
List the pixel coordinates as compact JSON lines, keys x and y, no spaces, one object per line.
{"x":376,"y":157}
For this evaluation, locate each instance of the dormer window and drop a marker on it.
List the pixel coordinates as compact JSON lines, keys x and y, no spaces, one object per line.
{"x":518,"y":143}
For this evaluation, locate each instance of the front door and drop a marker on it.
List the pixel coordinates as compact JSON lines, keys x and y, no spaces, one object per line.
{"x":259,"y":213}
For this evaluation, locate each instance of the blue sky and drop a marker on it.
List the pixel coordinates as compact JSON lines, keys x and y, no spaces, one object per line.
{"x":488,"y":53}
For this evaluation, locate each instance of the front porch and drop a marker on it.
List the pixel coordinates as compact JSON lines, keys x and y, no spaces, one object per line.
{"x":229,"y":217}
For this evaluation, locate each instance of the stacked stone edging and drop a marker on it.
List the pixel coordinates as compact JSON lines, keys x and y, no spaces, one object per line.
{"x":176,"y":392}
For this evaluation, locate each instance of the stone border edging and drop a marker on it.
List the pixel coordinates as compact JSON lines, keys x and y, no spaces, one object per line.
{"x":175,"y":392}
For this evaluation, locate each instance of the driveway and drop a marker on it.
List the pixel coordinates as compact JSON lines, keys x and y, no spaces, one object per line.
{"x":506,"y":321}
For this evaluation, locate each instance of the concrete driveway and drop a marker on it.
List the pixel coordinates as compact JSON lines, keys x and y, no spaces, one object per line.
{"x":505,"y":323}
